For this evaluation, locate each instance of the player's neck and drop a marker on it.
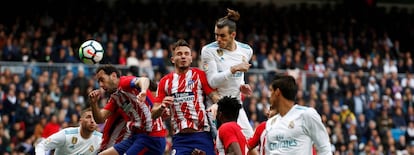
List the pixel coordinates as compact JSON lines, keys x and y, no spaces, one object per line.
{"x":285,"y":107}
{"x":182,"y":70}
{"x":85,"y":134}
{"x":232,"y":46}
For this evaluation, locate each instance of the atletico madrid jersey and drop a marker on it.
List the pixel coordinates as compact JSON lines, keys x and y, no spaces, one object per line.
{"x":137,"y":114}
{"x":189,"y":91}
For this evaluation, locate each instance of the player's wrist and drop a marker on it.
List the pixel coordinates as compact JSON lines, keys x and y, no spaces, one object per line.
{"x":233,"y":69}
{"x":162,"y":106}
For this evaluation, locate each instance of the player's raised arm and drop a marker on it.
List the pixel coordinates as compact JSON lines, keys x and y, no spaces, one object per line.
{"x":99,"y":114}
{"x":143,"y":83}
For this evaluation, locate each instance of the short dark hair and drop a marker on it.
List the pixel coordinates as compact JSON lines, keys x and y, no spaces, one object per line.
{"x":229,"y":107}
{"x":229,"y":20}
{"x":286,"y":84}
{"x":85,"y":110}
{"x":108,"y":69}
{"x":178,"y":43}
{"x":153,"y":86}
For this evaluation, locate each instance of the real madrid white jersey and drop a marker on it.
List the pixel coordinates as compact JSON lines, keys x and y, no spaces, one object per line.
{"x":69,"y":141}
{"x":217,"y":63}
{"x":296,"y":132}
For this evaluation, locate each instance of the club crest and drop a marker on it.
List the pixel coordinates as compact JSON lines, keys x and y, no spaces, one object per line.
{"x":48,"y":140}
{"x":220,"y":52}
{"x":205,"y":66}
{"x":291,"y":125}
{"x":190,"y":84}
{"x":74,"y":140}
{"x":91,"y":148}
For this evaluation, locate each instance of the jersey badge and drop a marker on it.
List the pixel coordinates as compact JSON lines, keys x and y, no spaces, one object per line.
{"x":220,"y":52}
{"x":48,"y":140}
{"x":291,"y":125}
{"x":91,"y":148}
{"x":205,"y":66}
{"x":190,"y":84}
{"x":74,"y":140}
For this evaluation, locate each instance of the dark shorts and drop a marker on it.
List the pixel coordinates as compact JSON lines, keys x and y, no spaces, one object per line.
{"x":141,"y":144}
{"x":185,"y":143}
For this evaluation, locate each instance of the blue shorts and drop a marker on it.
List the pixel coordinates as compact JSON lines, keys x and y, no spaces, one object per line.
{"x":185,"y":143}
{"x":141,"y":144}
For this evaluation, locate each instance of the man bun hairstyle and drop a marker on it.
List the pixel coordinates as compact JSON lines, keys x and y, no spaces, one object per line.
{"x":232,"y":15}
{"x":229,"y":20}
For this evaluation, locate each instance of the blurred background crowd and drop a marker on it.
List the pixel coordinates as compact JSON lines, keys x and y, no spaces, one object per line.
{"x":352,"y":61}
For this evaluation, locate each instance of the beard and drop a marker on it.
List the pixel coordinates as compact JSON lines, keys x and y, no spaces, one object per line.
{"x":183,"y":68}
{"x":109,"y":92}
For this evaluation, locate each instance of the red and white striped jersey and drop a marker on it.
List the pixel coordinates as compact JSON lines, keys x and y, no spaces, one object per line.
{"x":137,"y":114}
{"x":189,"y":91}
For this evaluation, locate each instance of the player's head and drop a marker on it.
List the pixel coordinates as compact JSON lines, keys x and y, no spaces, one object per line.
{"x":283,"y":86}
{"x":86,"y":120}
{"x":181,"y":55}
{"x":225,"y":29}
{"x":108,"y":78}
{"x":228,"y":109}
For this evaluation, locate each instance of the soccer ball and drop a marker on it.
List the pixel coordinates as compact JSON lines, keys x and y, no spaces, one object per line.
{"x":91,"y":52}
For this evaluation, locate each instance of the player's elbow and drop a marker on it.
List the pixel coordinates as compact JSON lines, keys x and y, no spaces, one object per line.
{"x":213,"y":83}
{"x":99,"y":120}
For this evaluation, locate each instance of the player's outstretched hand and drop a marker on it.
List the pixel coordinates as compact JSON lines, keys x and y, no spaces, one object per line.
{"x":168,"y":100}
{"x":246,"y":90}
{"x":94,"y":96}
{"x":198,"y":152}
{"x":142,"y":96}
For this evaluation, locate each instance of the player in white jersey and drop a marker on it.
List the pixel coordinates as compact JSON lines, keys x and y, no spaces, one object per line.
{"x":225,"y":62}
{"x":82,"y":140}
{"x":295,"y":129}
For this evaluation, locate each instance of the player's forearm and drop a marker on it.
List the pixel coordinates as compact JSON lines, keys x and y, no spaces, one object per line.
{"x":215,"y":79}
{"x":157,"y":111}
{"x":215,"y":97}
{"x":143,"y":83}
{"x":96,"y":112}
{"x":234,"y":149}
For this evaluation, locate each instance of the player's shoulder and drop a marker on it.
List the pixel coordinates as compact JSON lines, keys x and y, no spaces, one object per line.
{"x":167,"y":76}
{"x":272,"y":120}
{"x":305,"y":111}
{"x":127,"y":77}
{"x":229,"y":126}
{"x":97,"y":134}
{"x":71,"y":130}
{"x":197,"y":70}
{"x":243,"y":46}
{"x":210,"y":46}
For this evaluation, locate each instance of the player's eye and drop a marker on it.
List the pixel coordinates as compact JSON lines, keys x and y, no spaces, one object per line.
{"x":221,"y":35}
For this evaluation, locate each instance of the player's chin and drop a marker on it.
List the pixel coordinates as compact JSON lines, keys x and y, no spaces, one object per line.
{"x":110,"y":91}
{"x":184,"y":67}
{"x":221,"y":45}
{"x":93,"y":128}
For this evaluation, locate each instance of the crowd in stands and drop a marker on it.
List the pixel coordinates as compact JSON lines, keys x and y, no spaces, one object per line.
{"x":354,"y":67}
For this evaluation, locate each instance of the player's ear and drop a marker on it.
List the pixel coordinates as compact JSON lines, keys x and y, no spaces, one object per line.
{"x":172,"y":59}
{"x":113,"y":75}
{"x":233,"y":34}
